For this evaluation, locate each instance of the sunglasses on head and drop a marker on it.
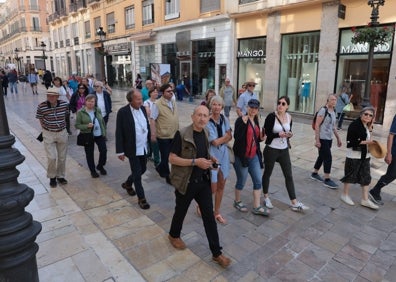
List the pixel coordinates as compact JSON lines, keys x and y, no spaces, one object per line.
{"x":368,"y":114}
{"x":281,"y":103}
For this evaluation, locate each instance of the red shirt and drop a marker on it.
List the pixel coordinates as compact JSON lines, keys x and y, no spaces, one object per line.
{"x":251,"y":148}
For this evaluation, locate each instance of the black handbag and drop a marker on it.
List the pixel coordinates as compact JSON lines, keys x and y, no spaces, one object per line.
{"x":85,"y":139}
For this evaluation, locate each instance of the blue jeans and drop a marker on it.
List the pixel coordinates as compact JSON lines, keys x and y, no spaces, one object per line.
{"x":227,"y":111}
{"x":340,"y":117}
{"x":253,"y":169}
{"x":14,"y":87}
{"x":324,"y":157}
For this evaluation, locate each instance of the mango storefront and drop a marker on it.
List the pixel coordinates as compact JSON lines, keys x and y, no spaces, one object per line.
{"x":306,"y":53}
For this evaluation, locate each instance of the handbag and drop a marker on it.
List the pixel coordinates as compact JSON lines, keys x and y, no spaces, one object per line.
{"x":348,"y":108}
{"x":85,"y":139}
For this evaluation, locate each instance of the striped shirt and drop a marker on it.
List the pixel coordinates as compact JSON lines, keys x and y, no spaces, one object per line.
{"x":52,"y":118}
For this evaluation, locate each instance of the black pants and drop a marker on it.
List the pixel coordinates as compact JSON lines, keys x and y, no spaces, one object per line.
{"x":271,"y":156}
{"x":138,"y":166}
{"x":385,"y":179}
{"x":89,"y":153}
{"x":202,"y":194}
{"x":325,"y":156}
{"x":164,"y":146}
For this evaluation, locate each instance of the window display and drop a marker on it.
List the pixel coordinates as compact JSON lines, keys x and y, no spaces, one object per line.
{"x":251,"y":61}
{"x":299,"y":63}
{"x":352,"y":72}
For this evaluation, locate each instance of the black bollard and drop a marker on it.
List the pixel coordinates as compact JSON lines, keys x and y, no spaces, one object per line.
{"x":18,"y":230}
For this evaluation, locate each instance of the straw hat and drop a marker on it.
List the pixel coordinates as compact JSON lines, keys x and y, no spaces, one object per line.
{"x":251,"y":81}
{"x":52,"y":92}
{"x":377,"y":150}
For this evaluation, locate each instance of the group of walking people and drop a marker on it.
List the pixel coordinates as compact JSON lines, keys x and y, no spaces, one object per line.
{"x":200,"y":155}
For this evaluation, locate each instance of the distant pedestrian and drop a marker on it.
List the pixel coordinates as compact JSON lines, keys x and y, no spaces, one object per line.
{"x":227,"y":92}
{"x":139,"y":82}
{"x":357,"y":162}
{"x":51,"y":114}
{"x":89,"y":120}
{"x":145,"y":90}
{"x":64,"y":96}
{"x":244,"y":98}
{"x":4,"y":83}
{"x":77,"y":100}
{"x":278,"y":130}
{"x":210,"y":93}
{"x":103,"y":100}
{"x":47,"y":79}
{"x":343,"y":99}
{"x":33,"y":80}
{"x":390,"y":160}
{"x":181,"y":90}
{"x":133,"y":141}
{"x":325,"y":127}
{"x":191,"y":162}
{"x":148,"y":104}
{"x":13,"y":81}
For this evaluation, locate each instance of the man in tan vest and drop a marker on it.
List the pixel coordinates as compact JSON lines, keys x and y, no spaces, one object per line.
{"x":164,"y":122}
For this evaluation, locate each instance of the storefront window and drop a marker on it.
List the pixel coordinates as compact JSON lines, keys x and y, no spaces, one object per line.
{"x":169,"y":57}
{"x":203,"y":66}
{"x":146,"y":57}
{"x":299,"y":64}
{"x":352,"y":73}
{"x":251,"y":63}
{"x":119,"y":71}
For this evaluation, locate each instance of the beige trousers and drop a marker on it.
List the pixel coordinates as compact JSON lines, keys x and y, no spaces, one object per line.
{"x":55,"y":145}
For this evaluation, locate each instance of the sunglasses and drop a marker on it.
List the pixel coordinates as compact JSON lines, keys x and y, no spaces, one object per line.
{"x":82,"y":88}
{"x":97,"y":86}
{"x":368,"y":114}
{"x":282,"y":103}
{"x":251,"y":85}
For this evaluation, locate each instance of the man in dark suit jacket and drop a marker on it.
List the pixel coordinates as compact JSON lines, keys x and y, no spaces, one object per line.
{"x":133,"y":141}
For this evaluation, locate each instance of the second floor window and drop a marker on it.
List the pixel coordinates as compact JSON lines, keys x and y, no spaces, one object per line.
{"x":209,"y":5}
{"x":171,"y":9}
{"x":87,"y":29}
{"x":129,"y":17}
{"x":35,"y":24}
{"x":148,"y":12}
{"x":110,"y":23}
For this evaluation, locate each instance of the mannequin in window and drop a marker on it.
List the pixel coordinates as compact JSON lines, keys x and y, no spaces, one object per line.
{"x":305,"y":91}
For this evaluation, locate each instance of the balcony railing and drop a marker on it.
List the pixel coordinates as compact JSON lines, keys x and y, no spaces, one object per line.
{"x":93,"y":1}
{"x":73,"y":8}
{"x":81,"y":4}
{"x":34,"y":7}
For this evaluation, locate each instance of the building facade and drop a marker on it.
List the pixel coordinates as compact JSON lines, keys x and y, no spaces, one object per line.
{"x":23,"y":29}
{"x":303,"y":49}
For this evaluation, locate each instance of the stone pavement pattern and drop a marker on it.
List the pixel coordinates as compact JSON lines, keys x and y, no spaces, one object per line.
{"x":94,"y":231}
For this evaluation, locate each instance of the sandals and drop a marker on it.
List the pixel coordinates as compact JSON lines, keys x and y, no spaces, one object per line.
{"x":220,"y":219}
{"x":240,"y":206}
{"x":143,"y":204}
{"x":260,"y":211}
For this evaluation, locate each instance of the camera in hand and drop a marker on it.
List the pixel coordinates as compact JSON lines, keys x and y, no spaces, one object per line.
{"x":215,"y":165}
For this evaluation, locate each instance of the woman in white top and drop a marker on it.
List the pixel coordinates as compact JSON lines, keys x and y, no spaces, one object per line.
{"x":64,"y":96}
{"x":277,"y":128}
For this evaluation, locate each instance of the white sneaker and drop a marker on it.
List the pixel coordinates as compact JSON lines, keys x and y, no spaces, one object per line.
{"x":267,"y":203}
{"x":369,"y":204}
{"x":347,"y":200}
{"x":299,"y":207}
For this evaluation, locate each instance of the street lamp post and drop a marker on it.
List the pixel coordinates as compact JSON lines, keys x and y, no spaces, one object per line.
{"x":18,"y":230}
{"x":18,"y":59}
{"x":42,"y":45}
{"x":102,"y":36}
{"x":374,"y":23}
